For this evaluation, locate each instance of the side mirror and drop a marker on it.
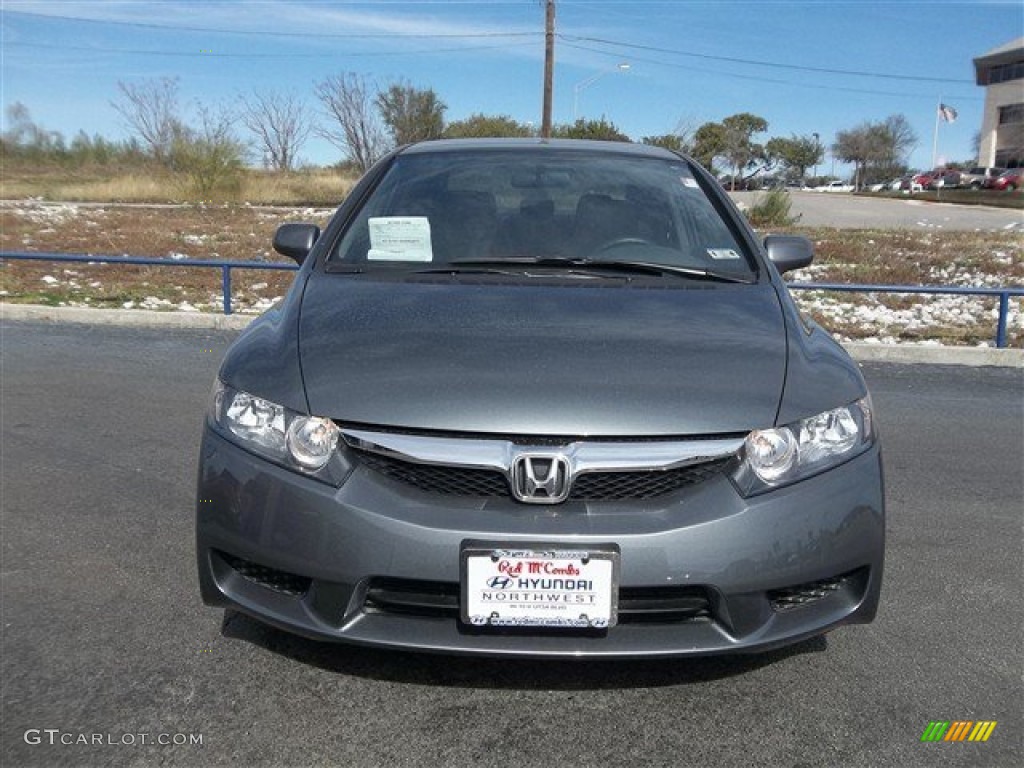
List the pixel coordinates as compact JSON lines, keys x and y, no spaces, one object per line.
{"x":296,"y":240}
{"x":789,"y":252}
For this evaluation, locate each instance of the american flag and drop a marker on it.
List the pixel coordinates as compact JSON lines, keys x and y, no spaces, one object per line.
{"x":947,"y":113}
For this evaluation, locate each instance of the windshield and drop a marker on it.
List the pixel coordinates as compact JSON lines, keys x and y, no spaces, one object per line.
{"x":540,"y":204}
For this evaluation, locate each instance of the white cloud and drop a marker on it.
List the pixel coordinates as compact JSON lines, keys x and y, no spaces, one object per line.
{"x":265,"y":16}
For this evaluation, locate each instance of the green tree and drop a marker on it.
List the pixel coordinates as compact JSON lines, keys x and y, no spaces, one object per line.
{"x":740,"y":149}
{"x":484,"y":126}
{"x":411,"y":114}
{"x":594,"y":130}
{"x":211,"y":158}
{"x":797,"y":153}
{"x":669,"y":141}
{"x":708,"y":143}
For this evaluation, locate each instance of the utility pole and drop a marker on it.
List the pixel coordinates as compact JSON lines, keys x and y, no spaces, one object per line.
{"x":549,"y":67}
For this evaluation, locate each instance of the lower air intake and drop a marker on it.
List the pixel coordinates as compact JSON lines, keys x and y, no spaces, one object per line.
{"x":788,"y":598}
{"x":271,"y":578}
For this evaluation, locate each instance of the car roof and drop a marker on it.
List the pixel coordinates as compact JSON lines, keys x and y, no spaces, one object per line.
{"x":581,"y":145}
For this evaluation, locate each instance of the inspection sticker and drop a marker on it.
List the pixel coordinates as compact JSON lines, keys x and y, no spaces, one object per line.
{"x":400,"y":238}
{"x":722,"y":254}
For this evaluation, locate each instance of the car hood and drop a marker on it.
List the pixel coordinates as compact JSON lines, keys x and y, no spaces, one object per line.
{"x":561,"y":359}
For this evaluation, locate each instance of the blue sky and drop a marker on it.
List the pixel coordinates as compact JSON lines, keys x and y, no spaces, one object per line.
{"x":64,"y":58}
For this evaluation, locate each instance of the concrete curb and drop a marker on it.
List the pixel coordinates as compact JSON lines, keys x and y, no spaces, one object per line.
{"x":143,"y":318}
{"x":140,"y":318}
{"x":909,"y":353}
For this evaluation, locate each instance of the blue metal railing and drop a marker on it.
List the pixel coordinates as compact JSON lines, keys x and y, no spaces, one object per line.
{"x":1003,"y":294}
{"x":224,"y":266}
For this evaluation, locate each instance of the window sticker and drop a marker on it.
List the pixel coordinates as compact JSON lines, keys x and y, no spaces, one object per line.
{"x":722,"y":254}
{"x":400,"y":238}
{"x":689,"y":181}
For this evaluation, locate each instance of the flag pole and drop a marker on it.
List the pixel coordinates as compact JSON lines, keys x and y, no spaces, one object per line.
{"x":935,"y":136}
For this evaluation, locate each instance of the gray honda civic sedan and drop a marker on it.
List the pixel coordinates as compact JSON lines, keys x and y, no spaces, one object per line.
{"x":541,"y":398}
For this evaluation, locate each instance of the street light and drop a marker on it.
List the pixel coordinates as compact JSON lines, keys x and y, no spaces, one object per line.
{"x":817,"y":149}
{"x":621,"y":67}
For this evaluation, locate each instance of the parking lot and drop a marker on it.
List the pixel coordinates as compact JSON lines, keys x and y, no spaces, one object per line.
{"x":846,"y":211}
{"x":104,"y":633}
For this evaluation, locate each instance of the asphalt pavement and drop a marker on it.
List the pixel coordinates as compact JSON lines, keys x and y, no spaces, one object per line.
{"x":846,"y":211}
{"x":105,"y":639}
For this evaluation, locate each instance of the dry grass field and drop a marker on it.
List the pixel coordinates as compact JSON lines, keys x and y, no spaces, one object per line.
{"x":322,"y":186}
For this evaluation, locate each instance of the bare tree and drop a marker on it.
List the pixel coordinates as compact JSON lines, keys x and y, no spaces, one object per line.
{"x":281,"y":125}
{"x":859,"y":146}
{"x":901,"y":139}
{"x":877,"y":150}
{"x":150,"y":107}
{"x":355,"y":126}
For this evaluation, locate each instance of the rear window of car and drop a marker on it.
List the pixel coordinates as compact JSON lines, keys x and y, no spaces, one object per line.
{"x":464,"y":205}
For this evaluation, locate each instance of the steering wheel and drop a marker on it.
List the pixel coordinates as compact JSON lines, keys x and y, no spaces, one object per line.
{"x":620,"y":241}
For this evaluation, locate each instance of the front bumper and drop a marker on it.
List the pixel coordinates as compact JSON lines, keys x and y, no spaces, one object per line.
{"x":314,"y":559}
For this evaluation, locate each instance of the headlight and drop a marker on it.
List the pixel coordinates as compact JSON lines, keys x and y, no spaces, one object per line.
{"x":782,"y":455}
{"x":297,"y":441}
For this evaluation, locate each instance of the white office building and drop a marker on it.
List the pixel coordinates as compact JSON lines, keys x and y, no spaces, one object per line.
{"x":1001,"y":72}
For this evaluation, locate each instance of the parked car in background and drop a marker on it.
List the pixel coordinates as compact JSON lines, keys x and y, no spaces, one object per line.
{"x":921,"y":180}
{"x":541,"y":398}
{"x":1007,"y":181}
{"x":835,"y":186}
{"x":739,"y":184}
{"x":976,"y":177}
{"x":946,"y":178}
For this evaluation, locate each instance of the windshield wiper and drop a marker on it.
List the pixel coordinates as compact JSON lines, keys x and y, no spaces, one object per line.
{"x":636,"y":267}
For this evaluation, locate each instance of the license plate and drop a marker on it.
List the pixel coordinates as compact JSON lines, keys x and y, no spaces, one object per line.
{"x":540,"y":586}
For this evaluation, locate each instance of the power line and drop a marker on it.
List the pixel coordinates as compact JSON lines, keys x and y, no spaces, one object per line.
{"x":753,"y":62}
{"x":261,"y":55}
{"x":303,"y":35}
{"x":755,"y":78}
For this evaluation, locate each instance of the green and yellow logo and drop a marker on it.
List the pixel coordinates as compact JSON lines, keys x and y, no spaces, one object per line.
{"x":958,"y":730}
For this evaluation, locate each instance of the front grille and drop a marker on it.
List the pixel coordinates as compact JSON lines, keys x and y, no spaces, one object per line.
{"x":788,"y":598}
{"x":610,"y":486}
{"x":651,"y":605}
{"x":594,"y":486}
{"x":453,"y":481}
{"x":271,"y":578}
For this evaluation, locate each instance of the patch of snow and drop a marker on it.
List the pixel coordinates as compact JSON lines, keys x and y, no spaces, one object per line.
{"x":53,"y":215}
